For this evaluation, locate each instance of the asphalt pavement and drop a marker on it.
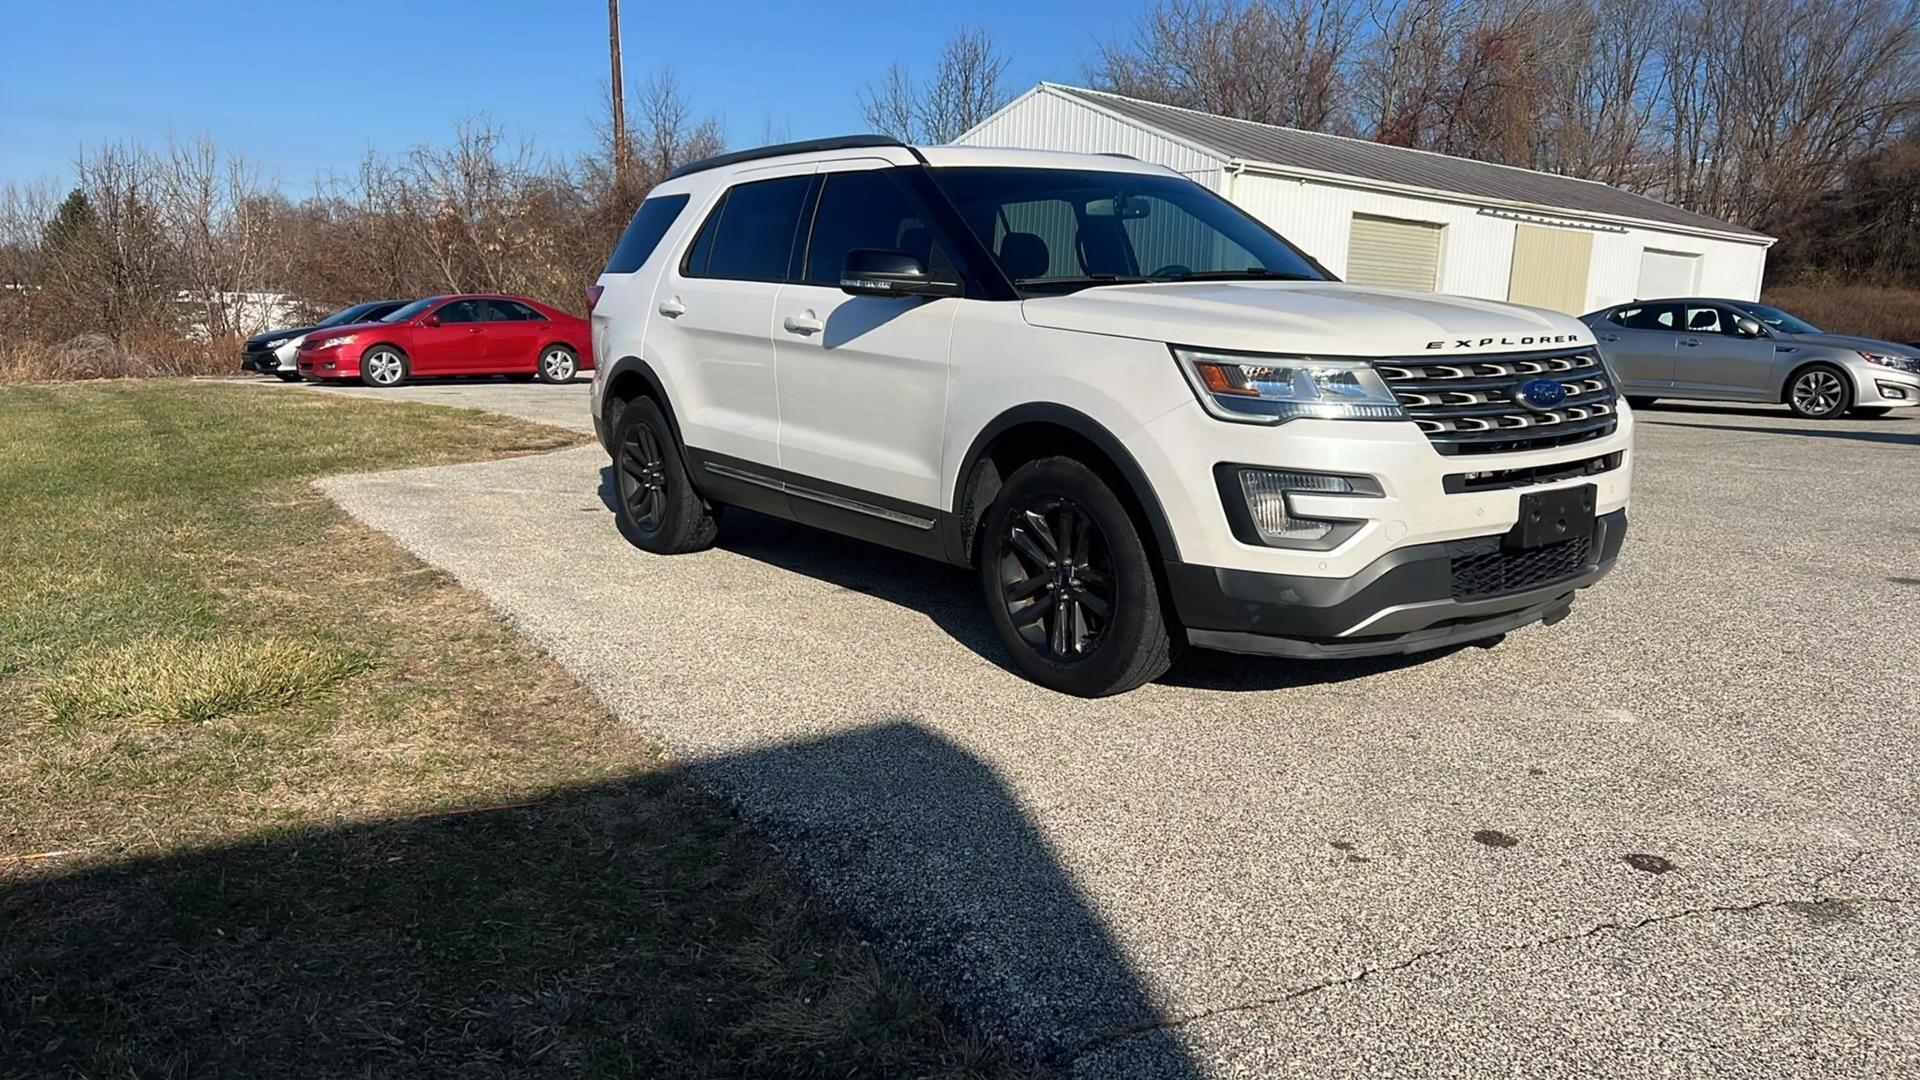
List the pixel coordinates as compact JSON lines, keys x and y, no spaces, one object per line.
{"x":1675,"y":834}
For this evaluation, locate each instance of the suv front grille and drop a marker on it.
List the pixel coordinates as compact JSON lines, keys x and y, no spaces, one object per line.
{"x":1485,"y":567}
{"x":1469,"y":405}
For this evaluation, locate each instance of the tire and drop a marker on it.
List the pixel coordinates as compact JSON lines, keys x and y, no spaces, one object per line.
{"x":287,"y":376}
{"x":385,"y":367}
{"x":1049,"y":615}
{"x":1868,"y":414}
{"x":1638,"y":402}
{"x":558,"y":364}
{"x":655,"y":503}
{"x":1820,"y":392}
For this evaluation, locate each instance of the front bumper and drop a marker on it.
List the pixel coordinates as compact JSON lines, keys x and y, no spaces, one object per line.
{"x":1408,"y":600}
{"x":1877,"y":387}
{"x":329,"y":364}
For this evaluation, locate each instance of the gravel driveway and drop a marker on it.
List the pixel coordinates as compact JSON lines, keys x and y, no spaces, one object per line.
{"x":1675,"y":834}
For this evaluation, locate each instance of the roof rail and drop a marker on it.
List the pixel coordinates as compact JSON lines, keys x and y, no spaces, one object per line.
{"x":808,"y":146}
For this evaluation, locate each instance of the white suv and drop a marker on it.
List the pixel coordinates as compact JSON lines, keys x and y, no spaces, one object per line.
{"x":1140,"y":415}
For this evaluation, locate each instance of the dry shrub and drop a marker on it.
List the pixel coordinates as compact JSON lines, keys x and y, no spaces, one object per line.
{"x":97,"y":356}
{"x":1887,"y":312}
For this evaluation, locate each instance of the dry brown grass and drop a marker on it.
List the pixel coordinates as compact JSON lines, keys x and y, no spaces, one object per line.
{"x":147,"y":354}
{"x":1887,"y":312}
{"x":430,"y":853}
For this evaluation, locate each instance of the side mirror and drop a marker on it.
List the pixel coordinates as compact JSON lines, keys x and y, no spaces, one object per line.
{"x":431,"y":320}
{"x":1747,"y":327}
{"x":876,"y":272}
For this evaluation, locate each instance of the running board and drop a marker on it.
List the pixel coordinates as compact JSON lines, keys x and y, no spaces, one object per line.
{"x":821,"y":497}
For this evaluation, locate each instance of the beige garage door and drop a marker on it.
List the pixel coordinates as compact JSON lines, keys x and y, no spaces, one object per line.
{"x":1550,"y":268}
{"x":1393,"y":252}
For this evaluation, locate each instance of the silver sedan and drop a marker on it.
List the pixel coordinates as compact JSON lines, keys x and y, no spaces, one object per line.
{"x":1737,"y":350}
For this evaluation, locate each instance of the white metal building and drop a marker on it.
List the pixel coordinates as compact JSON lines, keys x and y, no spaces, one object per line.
{"x":1388,"y":215}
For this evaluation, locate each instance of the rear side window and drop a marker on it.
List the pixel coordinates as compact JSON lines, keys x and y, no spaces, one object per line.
{"x":1650,"y":317}
{"x":865,"y":209}
{"x":514,"y":311}
{"x":749,"y":236}
{"x":643,"y":234}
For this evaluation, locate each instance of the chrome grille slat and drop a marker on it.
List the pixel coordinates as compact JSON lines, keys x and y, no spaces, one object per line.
{"x":1467,"y":405}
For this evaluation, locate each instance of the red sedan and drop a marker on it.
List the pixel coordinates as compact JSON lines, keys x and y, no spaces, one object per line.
{"x":453,"y":335}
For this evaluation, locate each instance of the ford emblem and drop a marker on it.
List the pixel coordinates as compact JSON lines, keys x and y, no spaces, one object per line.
{"x":1542,"y":393}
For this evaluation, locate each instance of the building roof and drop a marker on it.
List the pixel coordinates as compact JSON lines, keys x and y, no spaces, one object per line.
{"x":1290,"y":148}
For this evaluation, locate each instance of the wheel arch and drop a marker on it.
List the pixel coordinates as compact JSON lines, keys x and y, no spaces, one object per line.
{"x":628,"y":378}
{"x":1037,"y":429}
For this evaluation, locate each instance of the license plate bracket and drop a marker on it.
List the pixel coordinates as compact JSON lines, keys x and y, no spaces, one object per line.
{"x":1549,"y":517}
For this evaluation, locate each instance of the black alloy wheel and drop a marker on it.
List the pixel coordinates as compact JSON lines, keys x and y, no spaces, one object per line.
{"x":643,"y":477}
{"x":1056,"y":574}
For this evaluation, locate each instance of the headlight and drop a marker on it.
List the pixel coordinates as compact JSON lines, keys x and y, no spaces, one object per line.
{"x":1897,"y":363}
{"x":330,"y":342}
{"x":296,"y":342}
{"x":1271,"y":389}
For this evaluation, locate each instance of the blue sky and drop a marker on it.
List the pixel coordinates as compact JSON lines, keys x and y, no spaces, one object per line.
{"x":302,"y":89}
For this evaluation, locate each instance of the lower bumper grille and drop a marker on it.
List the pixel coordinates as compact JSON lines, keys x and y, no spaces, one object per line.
{"x":1485,"y":567}
{"x":1479,"y":405}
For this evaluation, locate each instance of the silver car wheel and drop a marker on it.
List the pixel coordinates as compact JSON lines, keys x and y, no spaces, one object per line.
{"x":558,"y":364}
{"x":1818,"y":393}
{"x":383,"y":366}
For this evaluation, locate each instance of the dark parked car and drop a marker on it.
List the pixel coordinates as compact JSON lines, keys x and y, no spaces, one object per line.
{"x":277,"y":352}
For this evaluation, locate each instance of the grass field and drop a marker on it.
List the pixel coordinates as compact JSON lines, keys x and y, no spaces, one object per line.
{"x":276,"y":799}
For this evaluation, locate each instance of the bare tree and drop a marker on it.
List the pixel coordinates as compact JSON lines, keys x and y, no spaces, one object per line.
{"x":224,"y":220}
{"x":965,"y":89}
{"x":1274,"y":61}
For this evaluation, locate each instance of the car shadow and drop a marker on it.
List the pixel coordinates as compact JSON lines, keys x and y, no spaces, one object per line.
{"x":950,"y":598}
{"x":1892,"y":438}
{"x":581,"y":931}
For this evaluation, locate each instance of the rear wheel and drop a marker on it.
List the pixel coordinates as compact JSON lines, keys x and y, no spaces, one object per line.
{"x":657,"y":507}
{"x":1639,"y":402}
{"x":1820,"y":392}
{"x":558,"y":364}
{"x":383,"y":366}
{"x":1069,"y":584}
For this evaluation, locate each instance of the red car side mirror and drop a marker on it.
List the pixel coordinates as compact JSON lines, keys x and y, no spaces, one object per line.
{"x":431,"y":320}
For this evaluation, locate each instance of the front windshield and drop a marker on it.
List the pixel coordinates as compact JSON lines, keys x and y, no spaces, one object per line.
{"x":1779,"y":320}
{"x":1054,"y":230}
{"x":416,"y":308}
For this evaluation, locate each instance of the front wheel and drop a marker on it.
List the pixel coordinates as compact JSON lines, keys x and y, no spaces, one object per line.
{"x":383,"y":366}
{"x":1069,"y":584}
{"x":288,"y":376}
{"x":657,"y":508}
{"x":558,"y":364}
{"x":1820,"y":393}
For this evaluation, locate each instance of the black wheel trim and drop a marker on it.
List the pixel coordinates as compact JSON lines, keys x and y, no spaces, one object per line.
{"x":643,"y":477}
{"x":1057,"y":579}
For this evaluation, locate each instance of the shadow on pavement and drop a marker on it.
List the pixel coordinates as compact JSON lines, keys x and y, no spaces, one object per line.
{"x":580,"y":932}
{"x":1893,"y":438}
{"x":951,"y":599}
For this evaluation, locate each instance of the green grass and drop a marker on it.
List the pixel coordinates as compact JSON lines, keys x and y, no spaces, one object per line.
{"x":276,"y":799}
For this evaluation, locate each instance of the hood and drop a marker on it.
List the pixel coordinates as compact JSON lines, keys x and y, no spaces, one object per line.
{"x":1846,"y":341}
{"x":353,"y":328}
{"x":1311,"y":317}
{"x":261,"y":339}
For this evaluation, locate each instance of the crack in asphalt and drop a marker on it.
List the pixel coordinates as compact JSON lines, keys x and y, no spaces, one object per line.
{"x":1171,"y":1023}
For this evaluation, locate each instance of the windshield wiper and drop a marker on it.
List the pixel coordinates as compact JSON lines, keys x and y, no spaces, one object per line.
{"x":1249,"y":274}
{"x":1083,"y":282}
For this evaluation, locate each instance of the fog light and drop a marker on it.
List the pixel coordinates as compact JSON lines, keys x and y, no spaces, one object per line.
{"x":1888,"y":390}
{"x":1273,"y":518}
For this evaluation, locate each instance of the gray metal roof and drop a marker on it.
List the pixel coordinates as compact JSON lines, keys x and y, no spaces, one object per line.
{"x":1358,"y":158}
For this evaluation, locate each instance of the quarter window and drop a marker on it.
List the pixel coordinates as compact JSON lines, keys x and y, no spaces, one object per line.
{"x":650,"y":223}
{"x":749,"y":237}
{"x":866,"y":209}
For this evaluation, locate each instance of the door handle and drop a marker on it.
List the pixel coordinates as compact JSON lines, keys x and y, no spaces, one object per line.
{"x":672,"y":308}
{"x":1609,"y":337}
{"x":473,"y":330}
{"x":804,"y":323}
{"x":1689,"y":341}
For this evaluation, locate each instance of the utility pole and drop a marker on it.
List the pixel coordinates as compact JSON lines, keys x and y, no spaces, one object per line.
{"x":620,"y":155}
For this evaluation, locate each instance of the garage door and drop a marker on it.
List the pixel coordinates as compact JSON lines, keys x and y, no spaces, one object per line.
{"x":1667,"y":273}
{"x":1389,"y":251}
{"x":1550,"y":268}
